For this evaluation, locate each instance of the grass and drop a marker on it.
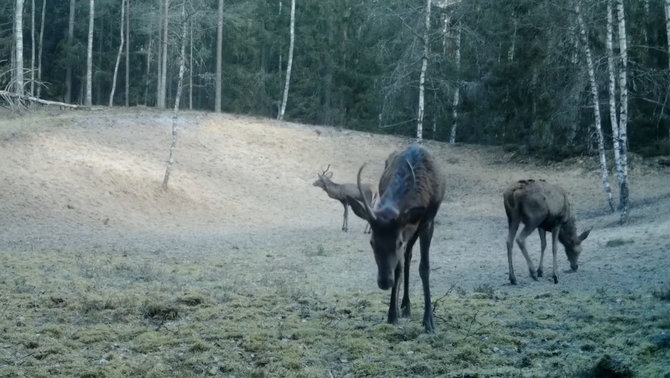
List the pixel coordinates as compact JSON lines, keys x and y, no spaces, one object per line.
{"x":106,"y":314}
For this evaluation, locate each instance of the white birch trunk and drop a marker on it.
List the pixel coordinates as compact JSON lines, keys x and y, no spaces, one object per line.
{"x":127,"y":52}
{"x":667,"y":31}
{"x":457,"y":91}
{"x":32,"y":47}
{"x":18,"y":36}
{"x":148,"y":71}
{"x":182,"y":68}
{"x":219,"y":58}
{"x":596,"y":109}
{"x":164,"y":40}
{"x":282,"y":110}
{"x":623,"y":111}
{"x":68,"y":64}
{"x":612,"y":93}
{"x":89,"y":56}
{"x":445,"y":33}
{"x":510,"y":52}
{"x":422,"y":77}
{"x":159,"y":54}
{"x":190,"y":67}
{"x":667,"y":27}
{"x":118,"y":55}
{"x":39,"y":51}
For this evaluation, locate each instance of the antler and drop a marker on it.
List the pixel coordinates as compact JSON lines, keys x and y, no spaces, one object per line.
{"x":323,"y":172}
{"x":368,"y":210}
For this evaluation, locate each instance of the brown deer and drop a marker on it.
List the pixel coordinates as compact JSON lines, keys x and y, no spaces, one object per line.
{"x":345,"y":193}
{"x":411,"y":190}
{"x":544,"y":206}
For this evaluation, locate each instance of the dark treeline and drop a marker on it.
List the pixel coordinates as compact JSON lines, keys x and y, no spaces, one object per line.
{"x":522,"y":77}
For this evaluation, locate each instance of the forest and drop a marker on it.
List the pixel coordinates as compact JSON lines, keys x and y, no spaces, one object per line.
{"x":479,"y":71}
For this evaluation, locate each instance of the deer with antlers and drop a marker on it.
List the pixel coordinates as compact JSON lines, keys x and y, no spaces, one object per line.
{"x":544,"y":206}
{"x":345,"y":193}
{"x":411,"y":190}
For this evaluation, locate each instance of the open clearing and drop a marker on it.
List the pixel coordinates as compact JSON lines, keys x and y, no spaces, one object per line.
{"x":241,"y":269}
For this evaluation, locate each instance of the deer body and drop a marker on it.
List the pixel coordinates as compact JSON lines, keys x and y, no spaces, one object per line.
{"x":538,"y":204}
{"x":345,"y":193}
{"x":411,"y":190}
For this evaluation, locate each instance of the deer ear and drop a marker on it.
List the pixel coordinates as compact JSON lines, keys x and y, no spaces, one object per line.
{"x":413,"y":215}
{"x":585,"y":234}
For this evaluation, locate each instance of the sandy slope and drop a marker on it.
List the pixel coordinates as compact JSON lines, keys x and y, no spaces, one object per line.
{"x":242,"y":186}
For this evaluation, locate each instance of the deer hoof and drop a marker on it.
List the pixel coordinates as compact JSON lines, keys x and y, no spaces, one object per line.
{"x":539,"y":272}
{"x":429,"y":325}
{"x":555,"y":279}
{"x":512,"y":280}
{"x":533,"y":275}
{"x":406,"y":312}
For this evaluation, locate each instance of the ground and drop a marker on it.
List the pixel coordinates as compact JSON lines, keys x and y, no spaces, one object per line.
{"x":241,"y":269}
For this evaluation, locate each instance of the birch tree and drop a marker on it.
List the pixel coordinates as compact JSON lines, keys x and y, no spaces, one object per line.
{"x":18,"y":56}
{"x":68,"y":63}
{"x":282,"y":110}
{"x":422,"y":76}
{"x":182,"y":68}
{"x":219,"y":58}
{"x":623,"y":110}
{"x":89,"y":56}
{"x":457,"y":90}
{"x":164,"y":42}
{"x":32,"y":47}
{"x":39,"y":50}
{"x":596,"y":108}
{"x":611,"y":68}
{"x":127,"y":52}
{"x":667,"y":32}
{"x":118,"y":55}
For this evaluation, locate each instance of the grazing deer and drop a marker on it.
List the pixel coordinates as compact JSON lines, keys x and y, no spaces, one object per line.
{"x":411,"y":190}
{"x":544,"y":206}
{"x":345,"y":193}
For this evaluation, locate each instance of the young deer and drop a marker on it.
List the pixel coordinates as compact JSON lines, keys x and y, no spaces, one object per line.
{"x":345,"y":193}
{"x":544,"y":206}
{"x":411,"y":190}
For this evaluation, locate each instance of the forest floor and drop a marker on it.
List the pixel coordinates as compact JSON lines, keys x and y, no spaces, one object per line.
{"x":241,"y":269}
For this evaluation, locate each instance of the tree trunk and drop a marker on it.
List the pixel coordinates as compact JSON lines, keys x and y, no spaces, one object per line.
{"x":510,"y":52}
{"x":18,"y":35}
{"x":68,"y":63}
{"x":612,"y":94}
{"x":32,"y":48}
{"x":147,"y":80}
{"x":457,"y":91}
{"x":623,"y":111}
{"x":596,"y":109}
{"x":89,"y":56}
{"x":182,"y":68}
{"x":190,"y":67}
{"x":667,"y":32}
{"x":219,"y":58}
{"x":422,"y":76}
{"x":118,"y":55}
{"x":163,"y":79}
{"x":289,"y":64}
{"x":39,"y":51}
{"x":159,"y":53}
{"x":127,"y":52}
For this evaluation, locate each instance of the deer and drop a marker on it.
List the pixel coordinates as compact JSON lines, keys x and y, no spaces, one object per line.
{"x":345,"y":193}
{"x":411,"y":190}
{"x":545,"y":206}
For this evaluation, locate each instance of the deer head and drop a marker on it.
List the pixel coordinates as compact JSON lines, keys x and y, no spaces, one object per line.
{"x":323,"y":178}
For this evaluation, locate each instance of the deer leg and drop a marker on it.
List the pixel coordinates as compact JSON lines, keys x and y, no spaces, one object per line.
{"x":346,"y":213}
{"x":543,"y":245}
{"x":554,"y":248}
{"x":521,"y":241}
{"x":405,"y":306}
{"x":393,"y":307}
{"x":424,"y":272}
{"x":513,"y":227}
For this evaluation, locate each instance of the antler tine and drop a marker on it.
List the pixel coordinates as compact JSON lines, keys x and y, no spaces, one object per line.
{"x":371,"y":214}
